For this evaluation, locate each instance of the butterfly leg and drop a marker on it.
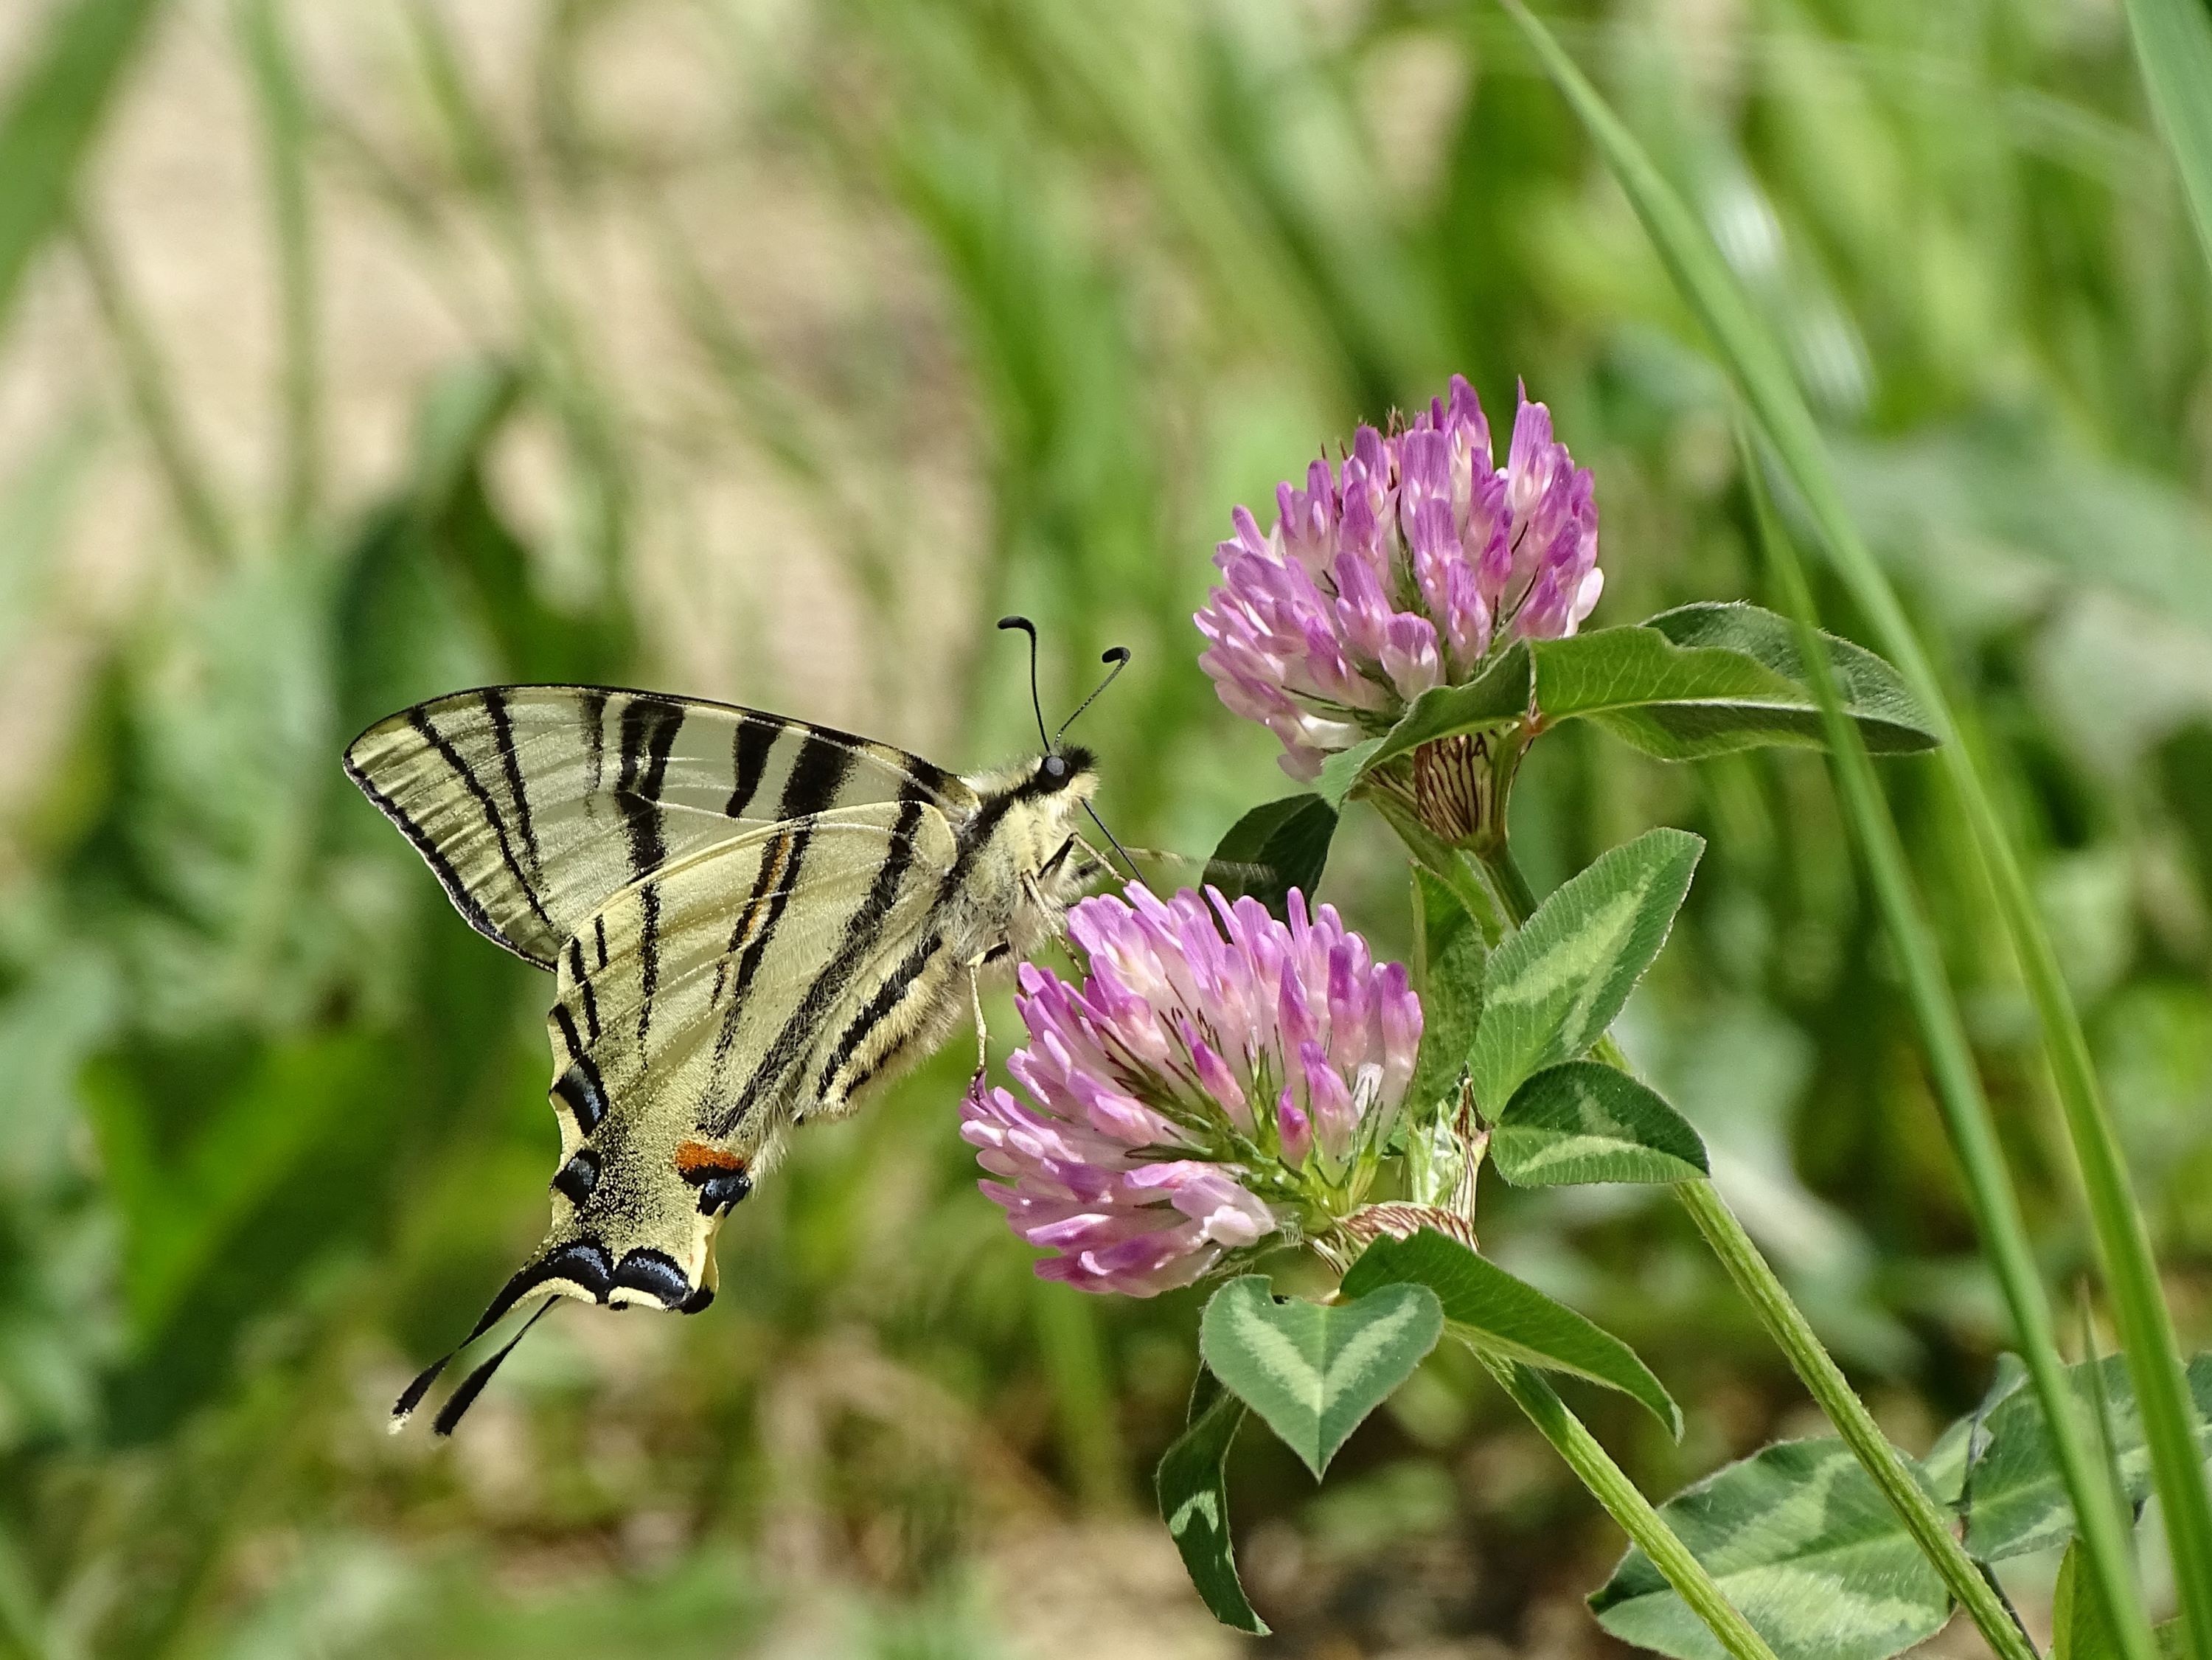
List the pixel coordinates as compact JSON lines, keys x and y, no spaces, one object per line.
{"x":1054,"y":915}
{"x":1100,"y":864}
{"x":976,"y":1002}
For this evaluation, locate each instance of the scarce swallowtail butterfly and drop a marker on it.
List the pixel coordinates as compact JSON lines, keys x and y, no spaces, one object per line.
{"x":751,"y":921}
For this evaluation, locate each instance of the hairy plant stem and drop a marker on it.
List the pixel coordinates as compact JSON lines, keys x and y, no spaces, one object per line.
{"x":1610,"y":1485}
{"x":1926,"y":1521}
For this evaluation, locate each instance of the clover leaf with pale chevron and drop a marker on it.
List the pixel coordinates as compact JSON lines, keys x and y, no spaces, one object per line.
{"x":1314,"y":1371}
{"x":1586,"y":1122}
{"x":1551,"y":990}
{"x":1801,"y":1540}
{"x":1194,"y":1499}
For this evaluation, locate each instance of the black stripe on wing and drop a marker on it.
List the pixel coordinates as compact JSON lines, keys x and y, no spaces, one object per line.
{"x":419,"y":718}
{"x":649,"y":726}
{"x":748,"y":753}
{"x":502,"y":734}
{"x":835,"y":1081}
{"x":801,"y":1027}
{"x":973,"y":837}
{"x":817,"y":773}
{"x":471,"y":908}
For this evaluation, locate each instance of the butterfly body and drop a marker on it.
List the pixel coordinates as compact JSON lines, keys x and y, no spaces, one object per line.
{"x":753,"y":922}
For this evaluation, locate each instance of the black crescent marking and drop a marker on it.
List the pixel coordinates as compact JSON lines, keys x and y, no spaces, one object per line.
{"x":579,"y":1086}
{"x":584,"y":985}
{"x":502,"y":734}
{"x":568,"y":1032}
{"x":697,"y":1301}
{"x":599,"y":937}
{"x":472,"y":909}
{"x":451,"y":757}
{"x":721,"y":1192}
{"x":579,"y":1178}
{"x":581,"y":1262}
{"x":721,"y":1186}
{"x":749,"y":753}
{"x":655,"y":1273}
{"x":861,"y":931}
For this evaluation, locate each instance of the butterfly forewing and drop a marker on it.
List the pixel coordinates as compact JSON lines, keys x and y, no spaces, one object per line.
{"x":534,"y":804}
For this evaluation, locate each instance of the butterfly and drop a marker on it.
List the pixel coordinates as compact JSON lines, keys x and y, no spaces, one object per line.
{"x":752,"y":921}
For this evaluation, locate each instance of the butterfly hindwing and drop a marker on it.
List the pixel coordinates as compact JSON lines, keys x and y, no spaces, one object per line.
{"x":702,"y":1008}
{"x":534,"y":804}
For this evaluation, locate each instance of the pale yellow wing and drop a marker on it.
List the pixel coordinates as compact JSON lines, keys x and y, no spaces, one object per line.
{"x":534,"y":805}
{"x":712,"y":1008}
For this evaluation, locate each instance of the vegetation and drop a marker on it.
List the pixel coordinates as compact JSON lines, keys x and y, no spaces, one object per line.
{"x":772,"y":354}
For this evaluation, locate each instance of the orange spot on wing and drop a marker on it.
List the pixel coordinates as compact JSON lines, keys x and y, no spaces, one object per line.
{"x":693,"y":1157}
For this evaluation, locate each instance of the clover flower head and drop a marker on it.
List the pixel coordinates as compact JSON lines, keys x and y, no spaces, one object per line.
{"x":1218,"y":1078}
{"x":1399,"y":570}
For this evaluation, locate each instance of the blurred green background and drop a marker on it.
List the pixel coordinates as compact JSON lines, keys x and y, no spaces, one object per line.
{"x":768,"y":349}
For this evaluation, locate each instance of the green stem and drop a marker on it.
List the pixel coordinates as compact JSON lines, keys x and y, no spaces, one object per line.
{"x":1471,"y":883}
{"x":1926,"y":1521}
{"x":1646,"y":1528}
{"x":1511,"y":886}
{"x":1966,"y":1111}
{"x":1500,"y":894}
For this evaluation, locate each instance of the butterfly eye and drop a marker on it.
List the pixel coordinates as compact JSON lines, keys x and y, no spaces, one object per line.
{"x":1055,"y":767}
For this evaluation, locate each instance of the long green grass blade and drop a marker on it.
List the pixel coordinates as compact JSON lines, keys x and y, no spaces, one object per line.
{"x":150,"y":386}
{"x":2146,"y":1329}
{"x":582,"y":394}
{"x":1965,"y":1108}
{"x":2174,"y":46}
{"x":52,"y":114}
{"x":282,"y":104}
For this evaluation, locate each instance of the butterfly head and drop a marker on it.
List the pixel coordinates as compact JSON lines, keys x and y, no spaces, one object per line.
{"x":1071,"y":772}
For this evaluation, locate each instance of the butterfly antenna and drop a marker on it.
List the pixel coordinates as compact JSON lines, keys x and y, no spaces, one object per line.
{"x":1036,"y":703}
{"x":1119,"y":657}
{"x":1134,"y":875}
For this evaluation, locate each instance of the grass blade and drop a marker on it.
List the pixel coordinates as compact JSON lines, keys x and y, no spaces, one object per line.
{"x":148,"y":383}
{"x":53,"y":112}
{"x":2145,"y":1325}
{"x":282,"y":104}
{"x":1966,"y":1109}
{"x":2173,"y":47}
